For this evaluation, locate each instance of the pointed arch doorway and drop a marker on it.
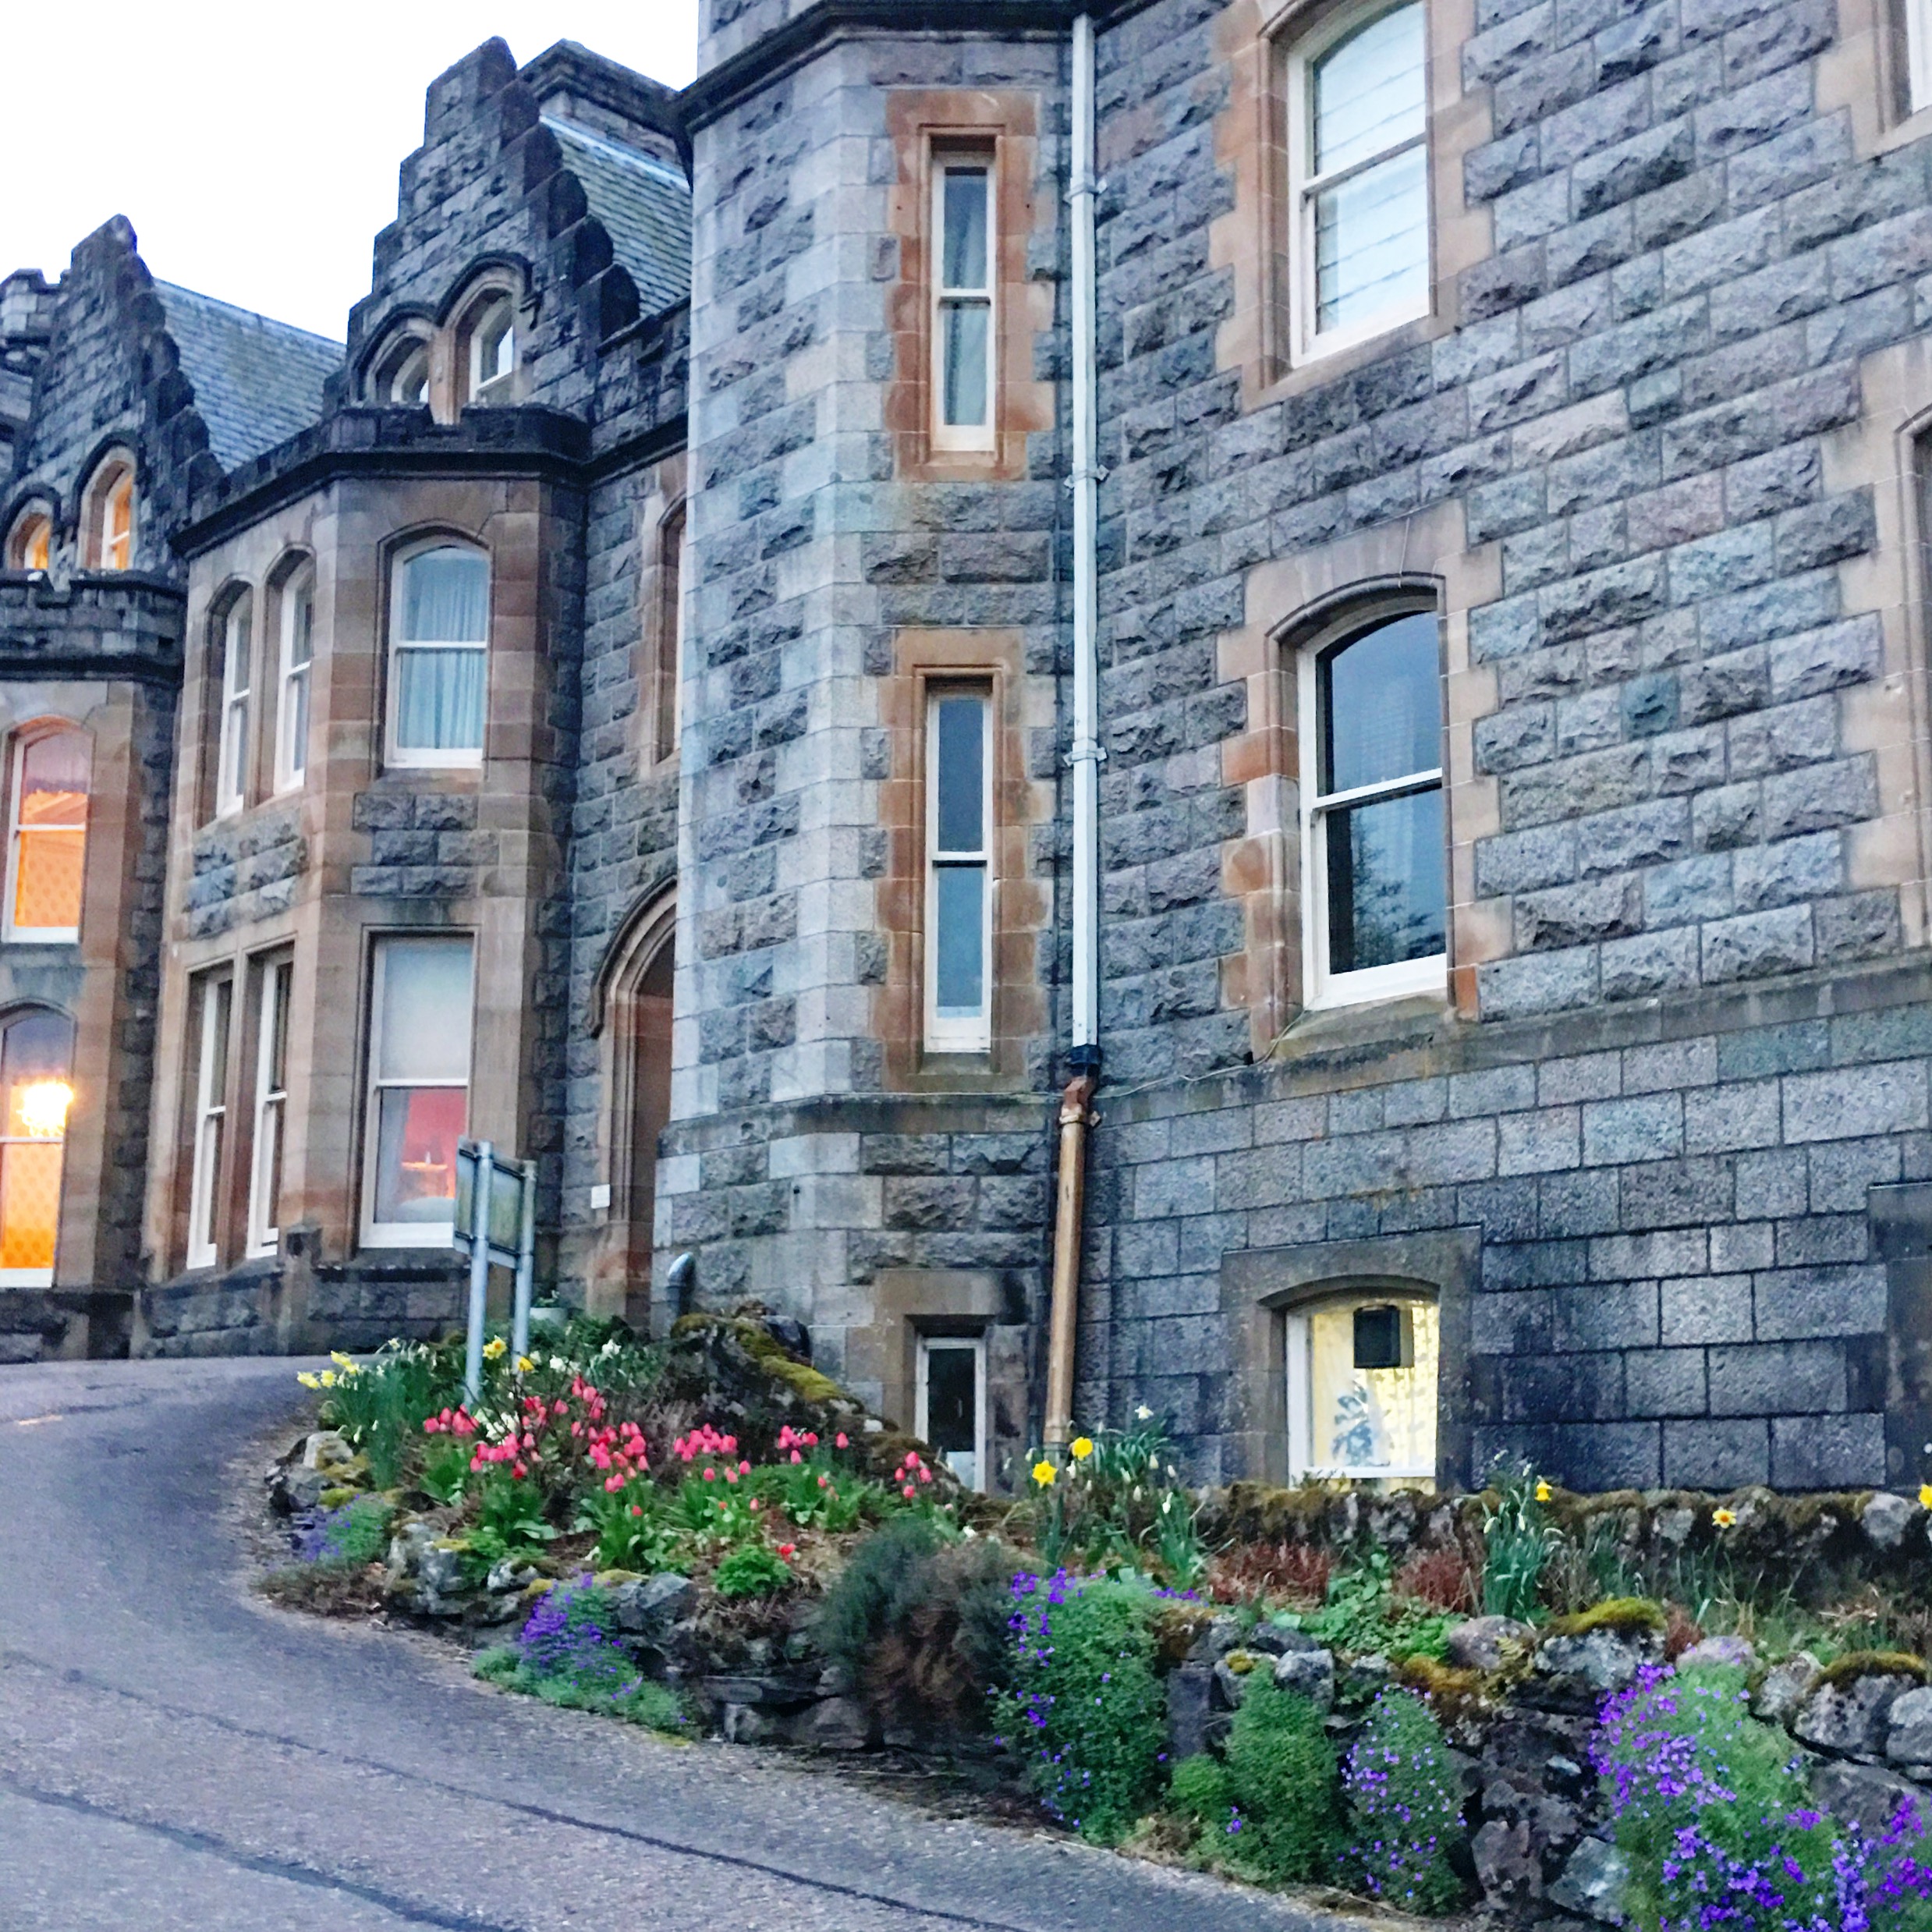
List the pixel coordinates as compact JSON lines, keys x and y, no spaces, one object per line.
{"x":637,"y":1056}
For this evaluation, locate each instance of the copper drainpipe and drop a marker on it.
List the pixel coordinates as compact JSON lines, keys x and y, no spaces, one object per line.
{"x":1068,"y":1222}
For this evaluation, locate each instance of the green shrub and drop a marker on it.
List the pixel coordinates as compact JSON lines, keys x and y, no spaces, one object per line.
{"x":510,"y":1522}
{"x":1362,"y":1614}
{"x":567,"y":1654}
{"x":1087,"y":1706}
{"x":752,"y":1570}
{"x":1281,"y":1785}
{"x":1200,"y":1789}
{"x":875,"y":1591}
{"x":1405,"y":1800}
{"x":633,"y":1532}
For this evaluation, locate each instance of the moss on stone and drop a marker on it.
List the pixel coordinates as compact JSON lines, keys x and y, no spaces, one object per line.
{"x":1614,"y":1613}
{"x":1856,"y":1663}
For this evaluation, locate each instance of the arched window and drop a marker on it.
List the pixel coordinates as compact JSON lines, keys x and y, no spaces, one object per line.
{"x":489,"y":349}
{"x":668,"y":633}
{"x":1373,"y":857}
{"x":237,"y":644}
{"x":31,"y":541}
{"x":297,"y":628}
{"x":106,"y":519}
{"x":402,"y":374}
{"x":438,"y":655}
{"x":46,"y":847}
{"x":1359,"y":176}
{"x":36,"y":1056}
{"x":1362,"y":1394}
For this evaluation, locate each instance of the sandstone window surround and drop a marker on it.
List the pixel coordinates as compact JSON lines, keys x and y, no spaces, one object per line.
{"x":1373,"y":854}
{"x":401,"y":373}
{"x":420,"y":1003}
{"x":36,"y":1054}
{"x":49,"y":789}
{"x":30,"y":539}
{"x":486,"y":339}
{"x":275,"y":984}
{"x":439,"y":659}
{"x":959,"y":883}
{"x":967,"y":159}
{"x":294,"y":613}
{"x":1356,"y":99}
{"x":211,"y":1001}
{"x":108,"y":513}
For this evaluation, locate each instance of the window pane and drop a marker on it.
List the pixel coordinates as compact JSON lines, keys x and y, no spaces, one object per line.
{"x":51,"y":847}
{"x":34,"y":1090}
{"x":298,"y":723}
{"x":1382,"y":703}
{"x":301,"y":625}
{"x":49,"y":869}
{"x":965,"y":258}
{"x":446,"y":597}
{"x":962,"y":756}
{"x":235,"y":646}
{"x":214,"y":1011}
{"x":1369,"y":90}
{"x":1385,"y":884}
{"x":422,"y":1028}
{"x":439,"y":699}
{"x":1372,"y":242}
{"x":30,"y":1202}
{"x":268,"y":1209}
{"x":963,"y":363}
{"x":416,"y":1157}
{"x":1371,"y":1418}
{"x":952,"y":1399}
{"x":959,"y":963}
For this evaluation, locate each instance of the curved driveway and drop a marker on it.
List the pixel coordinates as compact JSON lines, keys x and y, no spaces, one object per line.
{"x":174,"y":1753}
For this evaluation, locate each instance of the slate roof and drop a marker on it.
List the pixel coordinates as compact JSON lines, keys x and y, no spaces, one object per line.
{"x":645,"y":208}
{"x":256,"y":382}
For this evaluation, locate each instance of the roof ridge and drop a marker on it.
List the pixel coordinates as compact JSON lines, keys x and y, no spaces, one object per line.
{"x":651,"y":164}
{"x":251,"y":315}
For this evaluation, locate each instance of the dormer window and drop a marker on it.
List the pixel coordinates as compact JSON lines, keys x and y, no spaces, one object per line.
{"x":31,"y":541}
{"x":108,"y":516}
{"x":491,"y":349}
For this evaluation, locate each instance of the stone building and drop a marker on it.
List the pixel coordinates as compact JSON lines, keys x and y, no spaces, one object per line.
{"x":1511,"y":997}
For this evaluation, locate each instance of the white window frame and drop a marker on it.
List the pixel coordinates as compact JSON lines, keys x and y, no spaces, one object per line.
{"x":1405,"y":977}
{"x":954,"y":1033}
{"x":1298,"y":1365}
{"x":214,"y":1046}
{"x":401,"y":1234}
{"x":1917,"y":25}
{"x":276,"y":982}
{"x":477,"y":387}
{"x":292,"y":747}
{"x":965,"y":437}
{"x":929,"y":1345}
{"x":1307,"y":344}
{"x":38,"y":935}
{"x":428,"y":758}
{"x":113,"y":479}
{"x":42,"y":1278}
{"x":231,"y":746}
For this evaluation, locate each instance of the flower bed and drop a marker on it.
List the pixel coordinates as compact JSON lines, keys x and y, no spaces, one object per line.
{"x":1670,"y":1710}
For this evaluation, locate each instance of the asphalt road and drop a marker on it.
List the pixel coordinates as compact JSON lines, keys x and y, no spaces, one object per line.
{"x":174,"y":1753}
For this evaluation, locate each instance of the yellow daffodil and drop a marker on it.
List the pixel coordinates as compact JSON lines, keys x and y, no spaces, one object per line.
{"x":342,"y":1361}
{"x":1081,"y":1447}
{"x":496,"y":1347}
{"x":524,"y":1365}
{"x":1143,"y":1414}
{"x":1044,"y":1473}
{"x":328,"y":1378}
{"x":308,"y":1380}
{"x":1543,"y":1491}
{"x":1724,"y":1518}
{"x":1925,"y":1495}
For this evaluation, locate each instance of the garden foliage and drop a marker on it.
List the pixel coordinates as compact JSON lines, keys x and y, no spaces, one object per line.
{"x":1712,"y":1812}
{"x":1281,"y":1785}
{"x":1405,"y":1808}
{"x":1086,"y":1709}
{"x":567,"y":1653}
{"x":1118,"y":1502}
{"x":354,"y":1533}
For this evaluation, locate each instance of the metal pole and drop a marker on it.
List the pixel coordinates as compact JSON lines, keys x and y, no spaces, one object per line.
{"x":526,"y":1262}
{"x":479,"y":1270}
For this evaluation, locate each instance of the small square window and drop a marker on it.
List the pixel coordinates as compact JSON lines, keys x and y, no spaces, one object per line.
{"x":952,"y":1403}
{"x":1368,"y":1419}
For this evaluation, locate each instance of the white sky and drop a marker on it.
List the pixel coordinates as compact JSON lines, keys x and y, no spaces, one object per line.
{"x":255,"y":147}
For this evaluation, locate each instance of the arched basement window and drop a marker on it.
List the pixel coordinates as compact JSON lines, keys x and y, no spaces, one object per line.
{"x":1362,"y":1394}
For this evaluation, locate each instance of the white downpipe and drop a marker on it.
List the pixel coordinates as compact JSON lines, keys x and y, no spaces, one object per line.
{"x":1086,"y":755}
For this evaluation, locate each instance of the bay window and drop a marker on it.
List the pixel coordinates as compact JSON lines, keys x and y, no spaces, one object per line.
{"x":958,"y":895}
{"x":419,"y":1089}
{"x":1359,"y":187}
{"x":1374,"y":852}
{"x":46,"y":853}
{"x":36,"y":1049}
{"x":211,"y":1006}
{"x":438,"y":655}
{"x":964,"y":324}
{"x":297,"y":658}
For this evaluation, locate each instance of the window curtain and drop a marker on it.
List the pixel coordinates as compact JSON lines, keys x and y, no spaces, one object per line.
{"x":445,"y":599}
{"x":439,"y":699}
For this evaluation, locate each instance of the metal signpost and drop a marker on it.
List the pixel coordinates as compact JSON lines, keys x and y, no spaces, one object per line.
{"x":495,"y":1221}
